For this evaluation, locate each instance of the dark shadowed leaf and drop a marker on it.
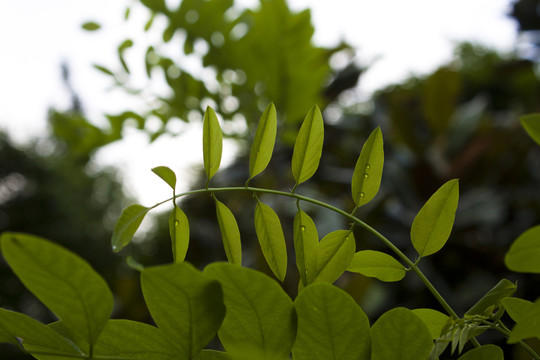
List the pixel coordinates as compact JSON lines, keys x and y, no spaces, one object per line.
{"x":271,"y":238}
{"x":493,"y":298}
{"x":368,"y":170}
{"x":126,"y":225}
{"x":308,"y":146}
{"x":486,"y":352}
{"x":531,"y":123}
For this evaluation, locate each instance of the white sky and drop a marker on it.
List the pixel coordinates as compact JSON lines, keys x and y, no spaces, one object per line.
{"x":406,"y":37}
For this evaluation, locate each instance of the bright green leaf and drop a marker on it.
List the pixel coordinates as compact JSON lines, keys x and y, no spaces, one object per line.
{"x":166,"y":175}
{"x":517,"y":308}
{"x":524,"y":254}
{"x":493,"y":298}
{"x":306,"y":247}
{"x":399,"y":334}
{"x":271,"y":238}
{"x":230,"y":234}
{"x":529,"y":325}
{"x":126,"y":225}
{"x":308,"y":146}
{"x":434,"y":320}
{"x":486,"y":352}
{"x":336,"y":251}
{"x":378,"y":265}
{"x":263,"y":143}
{"x":186,"y":305}
{"x":531,"y":124}
{"x":368,"y":170}
{"x":433,"y":224}
{"x":212,"y":142}
{"x":91,"y":26}
{"x":179,"y":232}
{"x":331,"y":326}
{"x":260,"y":315}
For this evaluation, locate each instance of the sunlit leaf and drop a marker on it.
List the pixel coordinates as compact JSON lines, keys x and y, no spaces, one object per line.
{"x":260,"y":315}
{"x":378,"y":265}
{"x":531,"y":123}
{"x":493,"y":298}
{"x":400,"y":334}
{"x":212,"y":142}
{"x":306,"y":247}
{"x":308,"y":146}
{"x":336,"y":251}
{"x":91,"y":26}
{"x":271,"y":238}
{"x":230,"y":234}
{"x":186,"y":305}
{"x":126,"y":225}
{"x":368,"y":170}
{"x":126,"y":44}
{"x":166,"y":175}
{"x":330,"y":326}
{"x":433,"y":224}
{"x":518,"y":309}
{"x":263,"y":143}
{"x":485,"y":352}
{"x":434,"y":320}
{"x":524,"y":254}
{"x":179,"y":232}
{"x":528,"y":326}
{"x":62,"y":281}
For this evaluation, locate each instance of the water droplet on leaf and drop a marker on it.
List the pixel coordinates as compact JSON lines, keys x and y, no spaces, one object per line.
{"x":362,"y":194}
{"x":176,"y":222}
{"x":368,"y":166}
{"x":366,"y":175}
{"x":303,"y":228}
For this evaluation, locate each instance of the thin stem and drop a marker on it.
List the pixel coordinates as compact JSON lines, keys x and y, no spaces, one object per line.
{"x":500,"y":327}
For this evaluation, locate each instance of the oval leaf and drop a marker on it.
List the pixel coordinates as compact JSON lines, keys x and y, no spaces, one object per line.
{"x":330,"y":326}
{"x":336,"y":251}
{"x":434,"y":320}
{"x":433,"y":224}
{"x":126,"y":225}
{"x":308,"y":146}
{"x":212,"y":143}
{"x":528,"y":326}
{"x":166,"y":175}
{"x":378,"y":265}
{"x":263,"y":143}
{"x":486,"y":352}
{"x":400,"y":334}
{"x":367,"y":174}
{"x":531,"y":124}
{"x":62,"y":281}
{"x":91,"y":26}
{"x":517,"y":308}
{"x":271,"y":238}
{"x":179,"y":232}
{"x":524,"y":254}
{"x":230,"y":234}
{"x":306,"y":247}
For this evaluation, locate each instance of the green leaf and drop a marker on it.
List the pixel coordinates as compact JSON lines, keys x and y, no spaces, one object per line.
{"x":378,"y":265}
{"x":434,"y":320}
{"x":62,"y":281}
{"x":34,"y":335}
{"x":126,"y":225}
{"x":126,"y":44}
{"x":260,"y":315}
{"x":433,"y":224}
{"x":213,"y":355}
{"x":518,"y":309}
{"x":308,"y":146}
{"x":91,"y":26}
{"x":103,"y":69}
{"x":336,"y":251}
{"x":524,"y":254}
{"x":166,"y":175}
{"x":331,"y":326}
{"x":306,"y":247}
{"x":531,"y":124}
{"x":186,"y":305}
{"x":263,"y":143}
{"x":367,"y":174}
{"x":399,"y":334}
{"x":271,"y":238}
{"x":485,"y":352}
{"x":230,"y":234}
{"x":179,"y":232}
{"x":529,"y":325}
{"x":212,"y":142}
{"x":493,"y":298}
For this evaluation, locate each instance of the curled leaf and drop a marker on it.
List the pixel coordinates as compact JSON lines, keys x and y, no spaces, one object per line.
{"x":166,"y":175}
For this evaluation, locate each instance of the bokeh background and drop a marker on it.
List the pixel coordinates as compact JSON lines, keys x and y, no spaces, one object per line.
{"x":67,"y":170}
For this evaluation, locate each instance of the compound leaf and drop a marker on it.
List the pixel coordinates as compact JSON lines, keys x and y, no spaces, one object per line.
{"x":62,"y":281}
{"x":531,"y":124}
{"x":263,"y":143}
{"x":230,"y":233}
{"x":331,"y":326}
{"x":308,"y":146}
{"x":367,"y":174}
{"x":271,"y":238}
{"x":186,"y":305}
{"x":166,"y":175}
{"x":212,"y":143}
{"x":493,"y":297}
{"x":306,"y":246}
{"x":485,"y":352}
{"x":434,"y":320}
{"x":336,"y":251}
{"x":260,"y":315}
{"x":524,"y":254}
{"x":179,"y":232}
{"x":399,"y":334}
{"x":126,"y":225}
{"x":433,"y":224}
{"x":378,"y":265}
